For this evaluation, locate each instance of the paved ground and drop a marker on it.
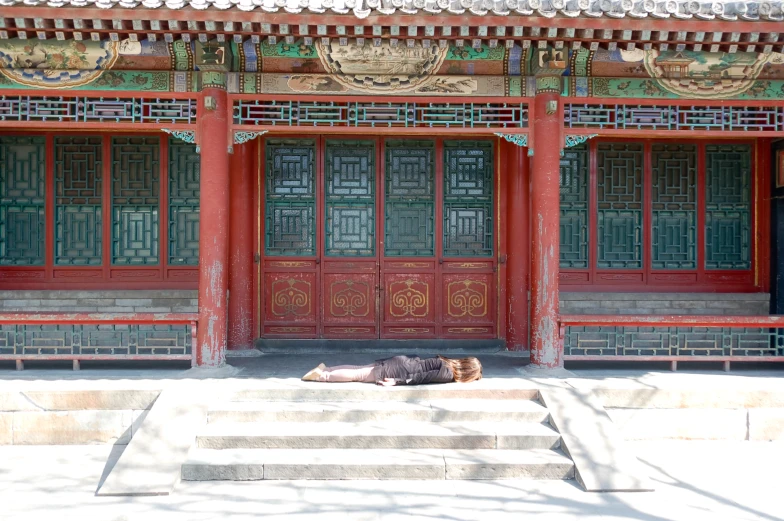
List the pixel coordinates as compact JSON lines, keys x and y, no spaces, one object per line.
{"x":711,"y":481}
{"x":715,"y":481}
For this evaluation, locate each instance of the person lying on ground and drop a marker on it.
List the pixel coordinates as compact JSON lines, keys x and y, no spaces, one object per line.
{"x":401,"y":370}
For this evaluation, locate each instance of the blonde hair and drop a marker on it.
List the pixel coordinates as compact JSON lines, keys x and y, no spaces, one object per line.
{"x":464,"y":369}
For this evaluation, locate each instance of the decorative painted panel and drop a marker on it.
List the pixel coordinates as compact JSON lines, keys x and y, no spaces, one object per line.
{"x":291,"y":304}
{"x":409,"y":225}
{"x":81,"y":109}
{"x":350,"y":300}
{"x":358,"y":114}
{"x":468,"y":198}
{"x":290,"y":195}
{"x":22,"y":200}
{"x":350,"y":198}
{"x":120,"y":340}
{"x":467,"y":297}
{"x":409,"y":297}
{"x":673,"y":341}
{"x":674,"y":206}
{"x":620,"y":201}
{"x":184,"y":177}
{"x":574,"y":207}
{"x":78,"y":196}
{"x":728,"y":207}
{"x":135,"y":200}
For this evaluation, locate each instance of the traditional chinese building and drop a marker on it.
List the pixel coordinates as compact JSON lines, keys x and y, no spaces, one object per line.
{"x":584,"y":179}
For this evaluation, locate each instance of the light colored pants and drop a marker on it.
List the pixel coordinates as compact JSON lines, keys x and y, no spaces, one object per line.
{"x":348,"y":373}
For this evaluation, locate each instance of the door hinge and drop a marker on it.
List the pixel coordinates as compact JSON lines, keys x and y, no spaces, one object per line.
{"x":256,"y":258}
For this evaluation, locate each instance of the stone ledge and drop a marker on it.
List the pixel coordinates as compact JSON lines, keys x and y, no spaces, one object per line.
{"x":681,"y":424}
{"x":72,"y":427}
{"x":703,"y":297}
{"x":98,"y":294}
{"x":766,"y":424}
{"x":119,"y":400}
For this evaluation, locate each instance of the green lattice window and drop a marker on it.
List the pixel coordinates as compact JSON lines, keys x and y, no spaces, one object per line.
{"x":135,"y":200}
{"x":290,"y":197}
{"x":468,"y":198}
{"x":350,"y":198}
{"x":184,"y":171}
{"x":574,"y":207}
{"x":674,"y":206}
{"x":22,"y":200}
{"x":620,"y":205}
{"x":78,"y":200}
{"x":728,"y":207}
{"x":409,"y":224}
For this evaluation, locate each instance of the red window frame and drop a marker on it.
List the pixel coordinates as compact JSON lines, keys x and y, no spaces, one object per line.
{"x":103,"y":276}
{"x":647,"y":279}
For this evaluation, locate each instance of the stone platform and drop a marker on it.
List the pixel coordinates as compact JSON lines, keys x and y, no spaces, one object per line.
{"x":140,"y":405}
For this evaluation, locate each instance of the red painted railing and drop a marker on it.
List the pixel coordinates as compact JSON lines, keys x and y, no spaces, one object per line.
{"x":111,"y":319}
{"x":771,"y":325}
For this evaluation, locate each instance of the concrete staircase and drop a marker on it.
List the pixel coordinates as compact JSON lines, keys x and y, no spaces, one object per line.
{"x":435,"y":433}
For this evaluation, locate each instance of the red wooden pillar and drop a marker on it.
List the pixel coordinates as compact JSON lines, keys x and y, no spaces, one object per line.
{"x":213,"y":227}
{"x":546,"y":348}
{"x":517,"y":247}
{"x":241,"y":246}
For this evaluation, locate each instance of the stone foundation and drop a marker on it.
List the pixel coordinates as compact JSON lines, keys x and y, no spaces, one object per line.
{"x":573,"y":303}
{"x":109,"y":301}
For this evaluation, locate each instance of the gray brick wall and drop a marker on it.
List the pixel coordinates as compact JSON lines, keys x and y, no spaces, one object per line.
{"x":109,"y":301}
{"x":665,"y":303}
{"x":572,"y":303}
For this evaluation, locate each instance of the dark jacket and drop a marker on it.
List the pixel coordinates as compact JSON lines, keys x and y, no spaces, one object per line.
{"x":413,"y":370}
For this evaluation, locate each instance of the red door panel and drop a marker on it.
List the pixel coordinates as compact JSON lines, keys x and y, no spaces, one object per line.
{"x":468,"y":305}
{"x":409,"y":305}
{"x":350,"y":299}
{"x":291,"y":304}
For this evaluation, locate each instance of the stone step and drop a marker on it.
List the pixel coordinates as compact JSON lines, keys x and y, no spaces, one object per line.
{"x":433,"y":464}
{"x":432,"y":410}
{"x":322,"y":392}
{"x":378,"y":435}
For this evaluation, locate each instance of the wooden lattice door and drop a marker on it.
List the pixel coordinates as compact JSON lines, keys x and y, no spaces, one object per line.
{"x":378,"y":238}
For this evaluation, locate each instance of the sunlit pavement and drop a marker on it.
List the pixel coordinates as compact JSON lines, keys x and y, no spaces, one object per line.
{"x":714,"y":481}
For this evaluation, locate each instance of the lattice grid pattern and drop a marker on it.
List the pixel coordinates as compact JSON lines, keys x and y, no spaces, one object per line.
{"x":98,"y":110}
{"x":78,"y":200}
{"x":135,"y":200}
{"x":22,"y":200}
{"x":148,"y":340}
{"x":675,"y":117}
{"x":728,"y":207}
{"x":574,"y":207}
{"x":290,"y":196}
{"x":468,"y":198}
{"x":184,"y":177}
{"x":350,"y":193}
{"x":409,"y":224}
{"x":620,"y":201}
{"x":674,"y":206}
{"x":673,"y":341}
{"x":380,"y":114}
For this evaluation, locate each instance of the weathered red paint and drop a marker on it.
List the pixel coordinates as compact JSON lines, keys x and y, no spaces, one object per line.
{"x":546,"y":347}
{"x":213,"y":231}
{"x":517,"y":244}
{"x":241,"y":166}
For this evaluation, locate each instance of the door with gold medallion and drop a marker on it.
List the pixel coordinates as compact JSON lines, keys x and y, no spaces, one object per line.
{"x":378,"y":238}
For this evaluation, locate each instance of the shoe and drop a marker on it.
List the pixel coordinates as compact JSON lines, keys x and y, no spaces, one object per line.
{"x":314,"y":374}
